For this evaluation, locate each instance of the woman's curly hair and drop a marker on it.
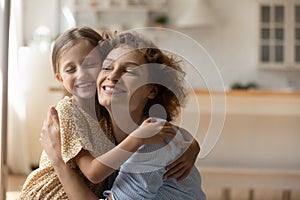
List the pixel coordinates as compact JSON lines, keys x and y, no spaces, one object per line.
{"x":164,"y":71}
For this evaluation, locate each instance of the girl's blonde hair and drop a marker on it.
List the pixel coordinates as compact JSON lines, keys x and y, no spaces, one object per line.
{"x":70,"y":38}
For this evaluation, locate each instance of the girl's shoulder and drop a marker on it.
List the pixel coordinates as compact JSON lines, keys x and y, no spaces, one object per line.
{"x":65,"y":107}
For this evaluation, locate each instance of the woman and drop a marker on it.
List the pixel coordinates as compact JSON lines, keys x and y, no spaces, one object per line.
{"x":129,"y":53}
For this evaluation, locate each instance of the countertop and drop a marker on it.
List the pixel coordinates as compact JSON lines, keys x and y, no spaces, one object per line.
{"x":250,"y":92}
{"x":257,"y":102}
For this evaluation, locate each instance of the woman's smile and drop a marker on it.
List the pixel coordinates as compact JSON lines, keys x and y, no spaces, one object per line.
{"x":112,"y":89}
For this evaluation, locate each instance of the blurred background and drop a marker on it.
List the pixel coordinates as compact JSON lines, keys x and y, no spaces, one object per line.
{"x":255,"y":45}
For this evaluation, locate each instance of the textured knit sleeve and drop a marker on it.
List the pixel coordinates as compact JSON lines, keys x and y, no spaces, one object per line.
{"x":71,"y":143}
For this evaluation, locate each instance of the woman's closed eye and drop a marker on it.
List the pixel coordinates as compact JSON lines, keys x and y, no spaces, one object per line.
{"x":107,"y":65}
{"x":130,"y":72}
{"x":106,"y":68}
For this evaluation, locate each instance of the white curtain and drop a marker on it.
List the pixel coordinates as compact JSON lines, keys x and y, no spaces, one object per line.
{"x":17,"y":158}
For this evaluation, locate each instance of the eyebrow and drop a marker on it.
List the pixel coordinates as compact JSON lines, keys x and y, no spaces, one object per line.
{"x":65,"y":64}
{"x":125,"y":63}
{"x":68,"y":62}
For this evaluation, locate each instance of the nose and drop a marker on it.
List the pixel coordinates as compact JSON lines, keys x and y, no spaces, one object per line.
{"x":114,"y":75}
{"x":81,"y":73}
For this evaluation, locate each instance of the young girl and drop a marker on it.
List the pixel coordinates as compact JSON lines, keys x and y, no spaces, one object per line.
{"x":142,"y":176}
{"x":77,"y":62}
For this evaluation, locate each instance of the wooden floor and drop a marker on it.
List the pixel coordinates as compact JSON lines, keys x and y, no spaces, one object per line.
{"x":15,"y":182}
{"x":14,"y":185}
{"x":248,"y":194}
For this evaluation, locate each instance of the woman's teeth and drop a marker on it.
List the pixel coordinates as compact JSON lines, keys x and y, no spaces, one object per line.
{"x":108,"y":88}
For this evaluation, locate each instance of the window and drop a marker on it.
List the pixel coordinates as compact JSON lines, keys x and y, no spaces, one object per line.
{"x":279,"y":34}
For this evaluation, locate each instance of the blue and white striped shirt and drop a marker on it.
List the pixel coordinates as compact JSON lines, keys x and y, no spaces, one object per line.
{"x":142,"y":176}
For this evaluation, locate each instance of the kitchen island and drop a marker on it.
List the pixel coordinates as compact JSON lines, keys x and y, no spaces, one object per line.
{"x":259,"y":144}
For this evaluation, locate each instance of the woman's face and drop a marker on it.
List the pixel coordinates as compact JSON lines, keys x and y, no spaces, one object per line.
{"x":123,"y":80}
{"x":79,"y":68}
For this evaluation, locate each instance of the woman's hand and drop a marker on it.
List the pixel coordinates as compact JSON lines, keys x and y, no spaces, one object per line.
{"x":181,"y":168}
{"x":50,"y":136}
{"x":153,"y":131}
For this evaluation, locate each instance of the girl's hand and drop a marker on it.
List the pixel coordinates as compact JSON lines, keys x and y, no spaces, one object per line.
{"x":153,"y":131}
{"x":181,"y":168}
{"x":50,"y":136}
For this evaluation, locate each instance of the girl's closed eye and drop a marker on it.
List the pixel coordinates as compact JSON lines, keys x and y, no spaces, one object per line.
{"x":90,"y":64}
{"x":70,"y":69}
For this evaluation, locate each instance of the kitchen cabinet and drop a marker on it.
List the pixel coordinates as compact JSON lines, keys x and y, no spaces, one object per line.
{"x":258,"y":147}
{"x":279,"y":34}
{"x":261,"y":129}
{"x":117,"y":15}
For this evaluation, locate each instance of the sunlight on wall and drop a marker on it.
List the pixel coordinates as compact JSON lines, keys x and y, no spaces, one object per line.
{"x":16,"y":94}
{"x":0,"y":106}
{"x":69,"y":17}
{"x":1,"y":5}
{"x":17,"y":162}
{"x":1,"y":13}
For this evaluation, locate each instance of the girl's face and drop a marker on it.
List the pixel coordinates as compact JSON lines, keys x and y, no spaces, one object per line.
{"x":124,"y":80}
{"x":78,"y":69}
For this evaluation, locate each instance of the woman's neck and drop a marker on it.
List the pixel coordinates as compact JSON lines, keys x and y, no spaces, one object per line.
{"x":130,"y":125}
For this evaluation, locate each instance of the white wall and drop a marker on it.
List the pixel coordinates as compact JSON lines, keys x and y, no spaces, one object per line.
{"x":38,"y":13}
{"x":232,"y":42}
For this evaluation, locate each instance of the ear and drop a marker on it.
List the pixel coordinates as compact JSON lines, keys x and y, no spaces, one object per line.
{"x":153,"y":92}
{"x":58,"y":77}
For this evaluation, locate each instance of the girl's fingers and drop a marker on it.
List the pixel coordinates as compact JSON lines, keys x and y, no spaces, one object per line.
{"x":148,"y":120}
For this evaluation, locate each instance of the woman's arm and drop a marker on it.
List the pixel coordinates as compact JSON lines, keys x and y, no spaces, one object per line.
{"x":181,"y":168}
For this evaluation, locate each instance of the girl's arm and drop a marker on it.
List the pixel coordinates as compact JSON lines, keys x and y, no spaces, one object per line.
{"x":95,"y":171}
{"x":181,"y":168}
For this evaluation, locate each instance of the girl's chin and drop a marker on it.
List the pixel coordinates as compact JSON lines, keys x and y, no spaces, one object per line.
{"x":84,"y":97}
